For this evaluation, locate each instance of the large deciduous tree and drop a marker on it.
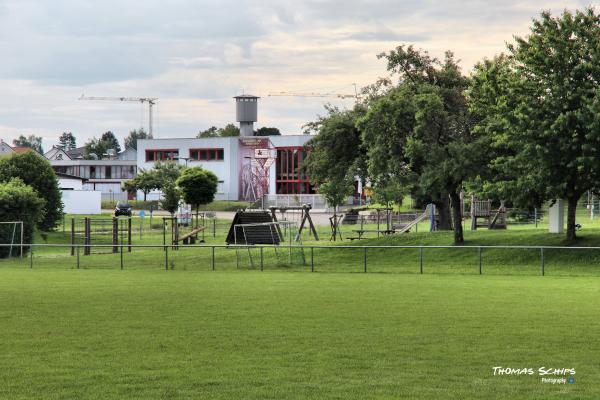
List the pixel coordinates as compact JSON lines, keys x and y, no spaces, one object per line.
{"x":549,"y":135}
{"x":419,"y":132}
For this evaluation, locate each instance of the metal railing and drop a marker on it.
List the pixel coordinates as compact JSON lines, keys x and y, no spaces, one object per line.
{"x":364,"y":250}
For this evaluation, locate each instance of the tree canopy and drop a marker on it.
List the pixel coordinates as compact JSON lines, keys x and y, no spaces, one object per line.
{"x":31,"y":141}
{"x":198,"y":187}
{"x":36,"y":172}
{"x":134,"y":135}
{"x":67,"y":141}
{"x":541,"y":107}
{"x":226,"y":131}
{"x":265,"y":131}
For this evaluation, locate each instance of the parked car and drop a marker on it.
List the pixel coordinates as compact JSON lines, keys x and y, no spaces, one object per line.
{"x":123,"y":208}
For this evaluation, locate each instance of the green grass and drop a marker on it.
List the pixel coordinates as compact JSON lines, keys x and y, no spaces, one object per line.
{"x":97,"y":334}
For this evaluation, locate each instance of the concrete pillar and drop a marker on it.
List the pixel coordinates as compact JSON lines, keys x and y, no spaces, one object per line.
{"x":556,"y":217}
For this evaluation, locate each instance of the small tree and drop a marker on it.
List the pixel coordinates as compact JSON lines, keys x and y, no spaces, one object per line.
{"x":198,"y":186}
{"x":145,"y":181}
{"x":19,"y":202}
{"x":336,"y":193}
{"x":31,"y":141}
{"x":171,"y":197}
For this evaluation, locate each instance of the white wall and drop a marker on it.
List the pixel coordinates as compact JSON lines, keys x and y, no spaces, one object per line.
{"x":82,"y":201}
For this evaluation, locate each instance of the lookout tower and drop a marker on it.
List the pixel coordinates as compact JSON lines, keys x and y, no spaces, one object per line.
{"x":245,"y":113}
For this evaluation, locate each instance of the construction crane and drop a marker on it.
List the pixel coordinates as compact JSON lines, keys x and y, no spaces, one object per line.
{"x":150,"y":100}
{"x":316,"y":94}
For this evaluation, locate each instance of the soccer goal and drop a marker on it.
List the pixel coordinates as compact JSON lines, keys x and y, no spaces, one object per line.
{"x":11,"y":235}
{"x":285,"y":245}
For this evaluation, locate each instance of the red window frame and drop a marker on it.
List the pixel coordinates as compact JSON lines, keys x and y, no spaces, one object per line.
{"x":210,"y":154}
{"x":289,"y":177}
{"x":165,"y":155}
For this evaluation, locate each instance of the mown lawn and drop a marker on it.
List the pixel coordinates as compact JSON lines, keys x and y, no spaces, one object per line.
{"x":103,"y":334}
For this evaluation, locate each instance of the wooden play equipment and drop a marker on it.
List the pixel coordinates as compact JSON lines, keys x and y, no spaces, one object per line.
{"x":176,"y":236}
{"x":482,"y":210}
{"x":260,"y":235}
{"x":100,"y":231}
{"x":304,"y":217}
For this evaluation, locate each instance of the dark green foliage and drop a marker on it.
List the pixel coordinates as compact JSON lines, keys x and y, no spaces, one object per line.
{"x":98,"y":148}
{"x":170,"y":200}
{"x":145,"y":181}
{"x":31,"y":141}
{"x":198,"y":186}
{"x":36,"y":172}
{"x":134,"y":135}
{"x":67,"y":141}
{"x":541,"y":106}
{"x":419,"y":133}
{"x":265,"y":131}
{"x":213,"y":131}
{"x":111,"y":141}
{"x":18,"y":202}
{"x":337,"y":151}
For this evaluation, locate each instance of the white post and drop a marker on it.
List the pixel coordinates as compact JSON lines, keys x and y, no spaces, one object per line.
{"x":556,"y":217}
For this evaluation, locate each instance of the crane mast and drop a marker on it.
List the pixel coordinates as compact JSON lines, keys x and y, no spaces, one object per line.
{"x":150,"y":100}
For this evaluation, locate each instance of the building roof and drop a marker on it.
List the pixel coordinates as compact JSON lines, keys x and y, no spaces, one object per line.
{"x":68,"y":176}
{"x":21,"y":149}
{"x":246,"y":96}
{"x":76,"y":153}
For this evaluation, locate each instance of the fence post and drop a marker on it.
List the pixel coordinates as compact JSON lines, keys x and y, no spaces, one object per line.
{"x":480,"y":265}
{"x":30,"y":257}
{"x":121,"y":255}
{"x":365,"y":260}
{"x":166,"y":258}
{"x":542,"y":260}
{"x":215,"y":227}
{"x":213,"y":258}
{"x":312,"y":259}
{"x":261,"y":258}
{"x":77,"y":257}
{"x":421,"y":259}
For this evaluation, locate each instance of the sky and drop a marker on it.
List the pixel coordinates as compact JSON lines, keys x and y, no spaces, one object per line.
{"x":195,"y":55}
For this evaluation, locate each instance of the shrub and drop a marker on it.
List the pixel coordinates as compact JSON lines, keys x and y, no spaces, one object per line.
{"x":18,"y":202}
{"x":35,"y":171}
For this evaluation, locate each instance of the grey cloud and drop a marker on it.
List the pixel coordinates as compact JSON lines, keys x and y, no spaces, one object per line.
{"x":387,"y":36}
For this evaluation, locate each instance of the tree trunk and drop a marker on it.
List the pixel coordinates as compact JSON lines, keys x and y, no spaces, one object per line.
{"x":571,"y":210}
{"x":443,"y":206}
{"x":457,"y":216}
{"x":334,"y":224}
{"x":145,"y":193}
{"x":197,"y":225}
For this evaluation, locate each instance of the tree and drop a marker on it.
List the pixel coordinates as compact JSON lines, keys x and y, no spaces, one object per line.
{"x":336,"y":152}
{"x":171,"y":197}
{"x":336,"y":193}
{"x":67,"y":141}
{"x":229,"y":130}
{"x":31,"y":141}
{"x":552,"y":135}
{"x":95,"y":149}
{"x":145,"y":181}
{"x":198,"y":186}
{"x":264,"y":131}
{"x":167,"y":172}
{"x":213,"y":131}
{"x":19,"y":202}
{"x":419,"y":133}
{"x":36,"y":172}
{"x":134,"y":135}
{"x":111,"y":141}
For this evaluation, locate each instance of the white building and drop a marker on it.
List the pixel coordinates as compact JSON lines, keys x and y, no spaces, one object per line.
{"x":247,"y":166}
{"x":106,"y":175}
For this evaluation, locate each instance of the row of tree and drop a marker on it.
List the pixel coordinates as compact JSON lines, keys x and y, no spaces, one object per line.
{"x":195,"y":186}
{"x":523,"y":126}
{"x":232,"y":130}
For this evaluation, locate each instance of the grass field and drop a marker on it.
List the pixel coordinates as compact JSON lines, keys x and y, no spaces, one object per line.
{"x":236,"y":333}
{"x":98,"y":334}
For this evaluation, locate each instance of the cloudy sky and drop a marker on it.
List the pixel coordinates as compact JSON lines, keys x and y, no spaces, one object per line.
{"x":194,"y":55}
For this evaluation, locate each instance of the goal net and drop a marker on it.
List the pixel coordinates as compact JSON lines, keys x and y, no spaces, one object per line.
{"x":11,"y":238}
{"x":283,"y":245}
